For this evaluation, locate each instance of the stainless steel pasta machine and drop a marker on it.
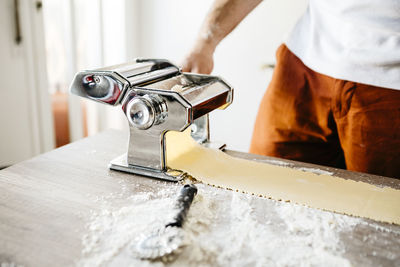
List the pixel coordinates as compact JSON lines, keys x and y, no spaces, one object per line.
{"x":156,"y":97}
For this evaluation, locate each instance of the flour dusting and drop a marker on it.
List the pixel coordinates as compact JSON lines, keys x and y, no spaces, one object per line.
{"x":223,"y":228}
{"x":275,"y":162}
{"x":314,"y":170}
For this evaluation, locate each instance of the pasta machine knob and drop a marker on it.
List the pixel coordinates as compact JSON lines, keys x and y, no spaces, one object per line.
{"x":146,"y":111}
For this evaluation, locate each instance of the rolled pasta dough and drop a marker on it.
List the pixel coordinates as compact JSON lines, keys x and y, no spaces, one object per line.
{"x":325,"y":192}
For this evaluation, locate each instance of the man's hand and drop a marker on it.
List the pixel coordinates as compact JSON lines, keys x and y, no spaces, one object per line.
{"x":199,"y":60}
{"x":223,"y":17}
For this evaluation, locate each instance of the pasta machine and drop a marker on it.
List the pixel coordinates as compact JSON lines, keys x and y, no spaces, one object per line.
{"x":156,"y":97}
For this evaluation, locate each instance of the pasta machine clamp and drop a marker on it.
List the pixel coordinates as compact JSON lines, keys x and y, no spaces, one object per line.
{"x":156,"y":97}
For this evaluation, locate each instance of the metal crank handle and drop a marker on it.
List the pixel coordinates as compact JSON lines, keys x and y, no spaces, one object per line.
{"x":183,"y":203}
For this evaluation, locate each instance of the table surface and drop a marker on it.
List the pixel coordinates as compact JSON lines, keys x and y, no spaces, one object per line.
{"x":48,"y":203}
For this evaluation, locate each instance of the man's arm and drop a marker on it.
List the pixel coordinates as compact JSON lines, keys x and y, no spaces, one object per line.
{"x":223,"y":17}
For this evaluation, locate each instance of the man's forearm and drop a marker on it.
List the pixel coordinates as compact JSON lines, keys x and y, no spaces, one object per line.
{"x":223,"y":17}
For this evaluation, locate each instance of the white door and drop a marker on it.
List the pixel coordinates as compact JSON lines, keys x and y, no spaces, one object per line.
{"x":25,"y":116}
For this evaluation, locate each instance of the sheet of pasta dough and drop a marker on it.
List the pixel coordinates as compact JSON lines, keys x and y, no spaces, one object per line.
{"x":282,"y":183}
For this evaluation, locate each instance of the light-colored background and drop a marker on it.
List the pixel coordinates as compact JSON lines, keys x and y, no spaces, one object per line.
{"x":85,"y":34}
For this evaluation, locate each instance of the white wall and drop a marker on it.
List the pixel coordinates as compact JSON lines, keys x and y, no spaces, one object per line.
{"x":167,"y":29}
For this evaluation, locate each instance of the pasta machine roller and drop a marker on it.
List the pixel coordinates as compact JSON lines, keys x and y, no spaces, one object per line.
{"x":156,"y":97}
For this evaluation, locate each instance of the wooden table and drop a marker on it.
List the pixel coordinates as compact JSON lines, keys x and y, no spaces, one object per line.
{"x":45,"y":202}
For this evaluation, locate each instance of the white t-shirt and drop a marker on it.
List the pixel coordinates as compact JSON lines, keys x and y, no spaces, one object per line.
{"x":354,"y":40}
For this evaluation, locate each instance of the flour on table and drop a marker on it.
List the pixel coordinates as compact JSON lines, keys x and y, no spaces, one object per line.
{"x":275,"y":162}
{"x":314,"y":170}
{"x":223,"y":228}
